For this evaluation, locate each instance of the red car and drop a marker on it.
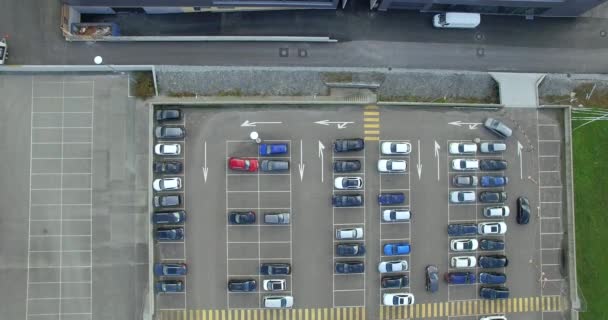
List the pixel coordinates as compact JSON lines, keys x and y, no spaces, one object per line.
{"x":243,"y":164}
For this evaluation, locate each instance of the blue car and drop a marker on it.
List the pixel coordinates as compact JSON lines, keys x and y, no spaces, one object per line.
{"x":169,"y":234}
{"x":350,"y":267}
{"x":493,"y":293}
{"x":170,"y":269}
{"x":271,"y":269}
{"x":347,"y":200}
{"x":462,"y":229}
{"x":493,"y":181}
{"x":169,"y":217}
{"x":391,"y":198}
{"x":169,"y":286}
{"x":395,"y":282}
{"x":492,"y":277}
{"x":269,"y":149}
{"x":491,"y":244}
{"x":493,"y":261}
{"x":397,"y":249}
{"x":460,"y":277}
{"x":350,"y":249}
{"x":244,"y":217}
{"x":243,"y":285}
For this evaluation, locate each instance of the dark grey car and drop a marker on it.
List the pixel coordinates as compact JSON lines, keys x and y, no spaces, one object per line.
{"x":274,"y":165}
{"x":169,"y":132}
{"x":276,"y":218}
{"x":168,"y":114}
{"x":498,"y":128}
{"x":167,"y":201}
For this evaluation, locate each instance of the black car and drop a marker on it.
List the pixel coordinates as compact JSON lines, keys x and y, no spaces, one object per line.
{"x":492,"y":164}
{"x":167,"y":167}
{"x":169,"y":132}
{"x":493,"y":261}
{"x":347,"y":200}
{"x":346,"y":145}
{"x":523,"y":210}
{"x":492,"y":277}
{"x":492,"y":196}
{"x":347,"y":165}
{"x":242,"y":217}
{"x":168,"y":114}
{"x":462,"y":229}
{"x":493,"y":293}
{"x":350,"y":267}
{"x":396,"y":282}
{"x":167,"y":201}
{"x":169,"y":234}
{"x":432,"y":278}
{"x":169,"y":217}
{"x":241,"y":285}
{"x":271,"y":269}
{"x":491,"y":244}
{"x":350,"y":249}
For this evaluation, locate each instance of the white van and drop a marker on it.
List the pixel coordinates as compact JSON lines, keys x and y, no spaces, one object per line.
{"x":461,"y":20}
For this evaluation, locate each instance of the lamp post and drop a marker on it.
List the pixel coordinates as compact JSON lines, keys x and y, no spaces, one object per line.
{"x":255,"y":136}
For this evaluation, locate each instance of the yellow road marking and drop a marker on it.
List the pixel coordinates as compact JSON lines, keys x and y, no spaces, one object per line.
{"x":381,"y":312}
{"x":537,"y":304}
{"x":371,"y":131}
{"x":372,"y":138}
{"x":363,"y":313}
{"x":371,"y":107}
{"x":371,"y":125}
{"x":371,"y":119}
{"x":371,"y":113}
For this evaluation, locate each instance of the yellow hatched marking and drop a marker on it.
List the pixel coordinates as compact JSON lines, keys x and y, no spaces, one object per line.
{"x":475,"y":307}
{"x":469,"y":304}
{"x":305,"y":314}
{"x":521,"y":304}
{"x":503,"y":306}
{"x":371,"y":113}
{"x":191,"y":314}
{"x":543,"y":303}
{"x":537,"y":304}
{"x":526,"y":300}
{"x":434,"y":310}
{"x":371,"y":138}
{"x":423,"y":307}
{"x":371,"y":107}
{"x":371,"y":119}
{"x":313,"y":314}
{"x":381,"y":312}
{"x":371,"y":125}
{"x":319,"y":314}
{"x":356,"y":314}
{"x":299,"y":313}
{"x":447,"y":309}
{"x":417,"y":306}
{"x":440,"y":309}
{"x":556,"y":303}
{"x":429,"y":308}
{"x":204,"y":314}
{"x":371,"y":131}
{"x":256,"y":312}
{"x":216,"y":315}
{"x":551,"y":304}
{"x":399,"y":312}
{"x":509,"y":303}
{"x":331,"y":314}
{"x":293,"y":314}
{"x":492,"y":305}
{"x":363,"y":313}
{"x":223,"y":314}
{"x":458,"y":305}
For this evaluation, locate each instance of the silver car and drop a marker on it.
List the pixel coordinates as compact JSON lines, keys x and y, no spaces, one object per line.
{"x":278,"y":302}
{"x":498,"y":128}
{"x":276,"y":218}
{"x":349,"y":233}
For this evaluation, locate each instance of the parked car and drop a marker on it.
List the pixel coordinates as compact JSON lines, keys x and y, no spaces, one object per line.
{"x":492,"y":147}
{"x":493,"y":261}
{"x":169,"y":217}
{"x":395,"y":282}
{"x":350,"y":249}
{"x":492,"y":164}
{"x":242,"y":217}
{"x":462,"y":196}
{"x":432,"y":278}
{"x":463,"y":262}
{"x":276,"y":218}
{"x":164,"y":149}
{"x":349,"y":233}
{"x":347,"y":165}
{"x":523,"y":210}
{"x":167,"y":201}
{"x":170,"y":234}
{"x":274,"y":284}
{"x":269,"y":149}
{"x":464,"y":181}
{"x":491,"y":244}
{"x":396,"y":148}
{"x":243,"y":164}
{"x":498,"y":128}
{"x":348,"y":183}
{"x":493,"y":293}
{"x":490,"y":228}
{"x":392,"y":266}
{"x":492,"y":196}
{"x":347,"y":200}
{"x":350,"y":267}
{"x":462,"y":229}
{"x":389,"y":198}
{"x":492,"y":277}
{"x":170,"y":269}
{"x":496,"y":212}
{"x":167,"y":184}
{"x":398,"y":299}
{"x":460,"y":277}
{"x":493,"y":318}
{"x":168,"y":286}
{"x":395,"y":215}
{"x":242,"y":285}
{"x":168,"y":115}
{"x":169,"y":132}
{"x":462,"y":148}
{"x":346,"y":145}
{"x":392,"y":166}
{"x":272,"y":269}
{"x":397,"y":249}
{"x":493,"y":181}
{"x":465,"y":164}
{"x":274,"y":165}
{"x":278,"y":302}
{"x":167,"y":167}
{"x":464,"y":245}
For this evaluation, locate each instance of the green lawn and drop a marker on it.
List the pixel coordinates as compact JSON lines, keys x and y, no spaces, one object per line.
{"x":590,"y":151}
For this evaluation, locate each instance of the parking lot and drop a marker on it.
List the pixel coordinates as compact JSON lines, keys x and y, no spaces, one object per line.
{"x":217,"y":251}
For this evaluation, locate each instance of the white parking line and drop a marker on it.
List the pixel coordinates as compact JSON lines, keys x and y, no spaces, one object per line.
{"x":348,"y":290}
{"x":550,"y":187}
{"x":550,"y":248}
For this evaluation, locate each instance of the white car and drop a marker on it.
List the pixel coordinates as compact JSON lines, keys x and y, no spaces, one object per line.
{"x":167,"y":184}
{"x":493,"y":318}
{"x":278,"y":302}
{"x":398,"y":299}
{"x":392,"y":266}
{"x":465,"y":164}
{"x":463,"y":262}
{"x":163,"y":149}
{"x":462,"y":148}
{"x":397,"y":148}
{"x":274,"y":285}
{"x":349,"y":233}
{"x":395,"y":215}
{"x":496,"y":212}
{"x":386,"y":165}
{"x":492,"y":228}
{"x":464,"y":245}
{"x":351,"y":183}
{"x":492,"y":147}
{"x":462,"y":196}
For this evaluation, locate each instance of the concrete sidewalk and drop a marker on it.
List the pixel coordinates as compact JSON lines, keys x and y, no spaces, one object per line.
{"x":518,"y":90}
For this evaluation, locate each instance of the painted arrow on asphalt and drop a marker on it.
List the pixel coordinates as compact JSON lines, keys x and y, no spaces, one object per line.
{"x":472,"y":125}
{"x":521,"y":170}
{"x":321,"y":148}
{"x":419,"y":165}
{"x":205,"y":168}
{"x":340,"y":124}
{"x":247,"y":123}
{"x":301,"y":165}
{"x":437,"y":147}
